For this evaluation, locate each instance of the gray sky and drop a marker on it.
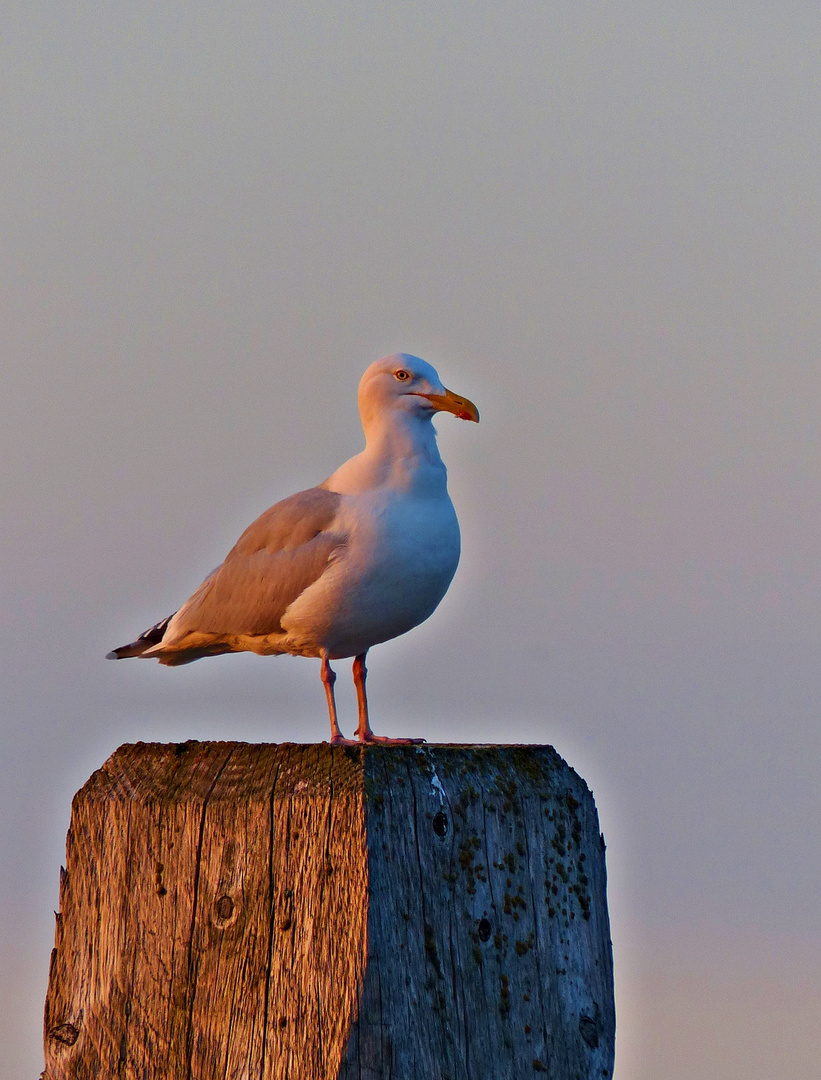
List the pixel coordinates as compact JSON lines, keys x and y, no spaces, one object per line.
{"x":600,"y":222}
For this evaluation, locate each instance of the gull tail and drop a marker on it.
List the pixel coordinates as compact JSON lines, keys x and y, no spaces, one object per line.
{"x":144,"y":642}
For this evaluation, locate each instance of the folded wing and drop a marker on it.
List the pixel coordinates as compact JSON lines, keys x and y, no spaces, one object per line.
{"x":241,"y":603}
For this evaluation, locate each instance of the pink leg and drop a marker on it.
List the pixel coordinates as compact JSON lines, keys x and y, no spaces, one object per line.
{"x":363,"y":731}
{"x":328,"y":679}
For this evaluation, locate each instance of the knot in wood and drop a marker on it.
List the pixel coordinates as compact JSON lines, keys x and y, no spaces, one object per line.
{"x":589,"y":1031}
{"x":67,"y":1034}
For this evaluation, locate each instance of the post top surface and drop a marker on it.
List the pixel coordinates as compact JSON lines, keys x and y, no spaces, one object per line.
{"x":197,"y":771}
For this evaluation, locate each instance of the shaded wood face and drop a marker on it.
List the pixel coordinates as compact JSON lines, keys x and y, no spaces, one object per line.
{"x":316,"y":912}
{"x":489,"y":944}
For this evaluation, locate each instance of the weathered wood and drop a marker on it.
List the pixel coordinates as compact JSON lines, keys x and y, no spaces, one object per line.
{"x":419,"y":913}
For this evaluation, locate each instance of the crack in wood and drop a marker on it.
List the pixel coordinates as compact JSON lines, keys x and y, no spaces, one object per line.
{"x":193,"y":962}
{"x":271,"y":919}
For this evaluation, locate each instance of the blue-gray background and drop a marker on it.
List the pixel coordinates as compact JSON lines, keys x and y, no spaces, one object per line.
{"x":600,"y":222}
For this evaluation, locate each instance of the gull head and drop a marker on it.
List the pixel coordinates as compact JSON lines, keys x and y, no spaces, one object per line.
{"x":406,"y":384}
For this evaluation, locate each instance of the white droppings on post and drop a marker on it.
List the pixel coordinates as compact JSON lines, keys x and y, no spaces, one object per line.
{"x":438,"y":790}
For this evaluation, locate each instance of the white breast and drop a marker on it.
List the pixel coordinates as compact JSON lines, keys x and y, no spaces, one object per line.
{"x":401,"y":555}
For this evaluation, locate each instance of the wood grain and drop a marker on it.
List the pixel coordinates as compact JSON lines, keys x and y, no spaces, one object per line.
{"x":314,"y":913}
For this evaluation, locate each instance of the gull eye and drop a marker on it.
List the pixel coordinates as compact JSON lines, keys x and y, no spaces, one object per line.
{"x":401,"y":375}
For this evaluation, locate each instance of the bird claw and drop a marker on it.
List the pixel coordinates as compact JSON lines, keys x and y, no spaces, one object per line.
{"x":370,"y":739}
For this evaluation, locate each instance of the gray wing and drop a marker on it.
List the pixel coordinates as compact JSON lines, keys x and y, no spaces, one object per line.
{"x":274,"y":561}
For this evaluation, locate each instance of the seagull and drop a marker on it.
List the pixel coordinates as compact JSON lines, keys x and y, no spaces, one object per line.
{"x":334,"y":570}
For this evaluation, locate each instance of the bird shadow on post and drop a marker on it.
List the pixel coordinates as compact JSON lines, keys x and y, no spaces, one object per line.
{"x":320,"y":913}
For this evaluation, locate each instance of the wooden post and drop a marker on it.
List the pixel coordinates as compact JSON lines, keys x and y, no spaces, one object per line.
{"x":420,"y":913}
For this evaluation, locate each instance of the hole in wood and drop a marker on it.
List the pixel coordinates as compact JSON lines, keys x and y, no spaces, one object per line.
{"x":158,"y":881}
{"x":224,"y":909}
{"x":285,"y":922}
{"x":440,"y":824}
{"x":483,"y":929}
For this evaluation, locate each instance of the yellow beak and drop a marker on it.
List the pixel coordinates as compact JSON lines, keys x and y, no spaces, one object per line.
{"x":452,"y":403}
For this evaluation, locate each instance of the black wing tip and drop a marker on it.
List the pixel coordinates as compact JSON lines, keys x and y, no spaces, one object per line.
{"x":153,"y":636}
{"x":136,"y":648}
